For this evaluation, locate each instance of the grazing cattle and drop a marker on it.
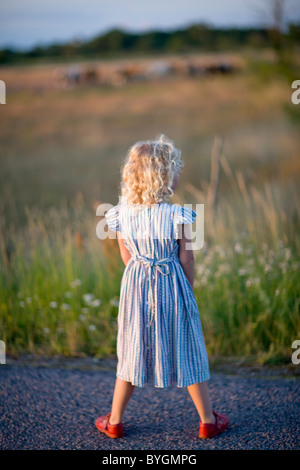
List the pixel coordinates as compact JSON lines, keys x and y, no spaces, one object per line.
{"x":223,"y":68}
{"x":118,"y":75}
{"x":67,"y":77}
{"x":89,"y":76}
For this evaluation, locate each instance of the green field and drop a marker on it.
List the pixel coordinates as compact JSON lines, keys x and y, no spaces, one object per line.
{"x":61,"y":150}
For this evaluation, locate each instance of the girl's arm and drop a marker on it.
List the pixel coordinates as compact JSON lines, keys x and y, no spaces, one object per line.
{"x":186,"y":257}
{"x":125,"y":253}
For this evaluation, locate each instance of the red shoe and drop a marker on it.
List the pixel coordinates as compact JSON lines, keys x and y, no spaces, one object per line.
{"x":207,"y":430}
{"x":111,"y":430}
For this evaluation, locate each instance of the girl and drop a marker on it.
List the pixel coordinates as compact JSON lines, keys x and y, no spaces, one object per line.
{"x":160,"y":336}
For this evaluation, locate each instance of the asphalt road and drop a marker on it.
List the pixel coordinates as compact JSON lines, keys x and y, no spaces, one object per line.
{"x":55,"y":408}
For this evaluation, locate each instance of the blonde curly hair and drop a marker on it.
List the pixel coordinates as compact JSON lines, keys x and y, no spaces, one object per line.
{"x":149,"y":170}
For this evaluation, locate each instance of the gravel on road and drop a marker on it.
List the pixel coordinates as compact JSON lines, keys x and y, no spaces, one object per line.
{"x":55,"y":408}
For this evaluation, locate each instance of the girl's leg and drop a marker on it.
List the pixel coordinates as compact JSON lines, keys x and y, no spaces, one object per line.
{"x":122,"y":394}
{"x":200,"y":396}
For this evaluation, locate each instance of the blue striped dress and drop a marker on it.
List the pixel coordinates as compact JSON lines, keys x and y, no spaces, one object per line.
{"x":160,"y":338}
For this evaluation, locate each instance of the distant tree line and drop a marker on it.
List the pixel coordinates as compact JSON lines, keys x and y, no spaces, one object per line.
{"x":195,"y":38}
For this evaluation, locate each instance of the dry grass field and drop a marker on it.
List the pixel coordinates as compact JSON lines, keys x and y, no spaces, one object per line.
{"x":61,"y":150}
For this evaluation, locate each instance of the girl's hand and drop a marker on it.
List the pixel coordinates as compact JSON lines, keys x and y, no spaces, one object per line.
{"x":186,"y":256}
{"x":125,"y":253}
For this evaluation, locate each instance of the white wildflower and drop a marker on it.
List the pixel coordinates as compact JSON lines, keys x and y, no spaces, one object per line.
{"x":242,"y":272}
{"x":92,"y":327}
{"x":21,"y":303}
{"x":65,"y":306}
{"x":114,"y":302}
{"x":85,"y":310}
{"x":88,"y":298}
{"x":46,"y":331}
{"x":75,"y":283}
{"x":238,"y":248}
{"x":96,"y":303}
{"x":53,"y":304}
{"x":68,"y":294}
{"x":82,"y":317}
{"x":250,"y":281}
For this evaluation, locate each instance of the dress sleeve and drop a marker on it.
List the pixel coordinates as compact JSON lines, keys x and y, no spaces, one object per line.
{"x":185,"y":215}
{"x":112,"y":217}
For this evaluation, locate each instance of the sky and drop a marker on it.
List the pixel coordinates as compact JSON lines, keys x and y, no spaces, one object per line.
{"x":27,"y":23}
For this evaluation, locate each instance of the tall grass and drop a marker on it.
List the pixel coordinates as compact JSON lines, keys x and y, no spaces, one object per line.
{"x":57,"y":287}
{"x":247,"y":276}
{"x":59,"y":284}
